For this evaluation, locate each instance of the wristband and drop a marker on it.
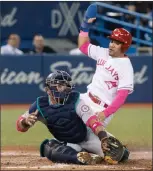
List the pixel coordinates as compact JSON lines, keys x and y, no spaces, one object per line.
{"x":95,"y":125}
{"x":18,"y":123}
{"x":83,"y":34}
{"x":102,"y":134}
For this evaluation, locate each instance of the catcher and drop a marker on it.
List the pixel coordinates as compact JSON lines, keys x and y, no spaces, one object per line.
{"x":79,"y":137}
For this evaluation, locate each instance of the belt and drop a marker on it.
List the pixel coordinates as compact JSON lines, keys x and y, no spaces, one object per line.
{"x":96,"y":100}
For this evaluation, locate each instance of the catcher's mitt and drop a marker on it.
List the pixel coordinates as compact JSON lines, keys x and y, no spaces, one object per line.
{"x":113,"y":150}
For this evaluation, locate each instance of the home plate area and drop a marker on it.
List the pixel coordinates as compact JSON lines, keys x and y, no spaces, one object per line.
{"x":30,"y":160}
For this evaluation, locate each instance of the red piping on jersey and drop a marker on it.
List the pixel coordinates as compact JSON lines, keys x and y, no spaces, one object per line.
{"x":18,"y":127}
{"x":117,"y":102}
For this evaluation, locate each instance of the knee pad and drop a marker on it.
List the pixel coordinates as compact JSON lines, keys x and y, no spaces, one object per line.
{"x":44,"y":149}
{"x":58,"y":152}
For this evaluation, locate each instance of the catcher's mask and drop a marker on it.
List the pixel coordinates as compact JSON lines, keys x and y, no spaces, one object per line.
{"x":58,"y":86}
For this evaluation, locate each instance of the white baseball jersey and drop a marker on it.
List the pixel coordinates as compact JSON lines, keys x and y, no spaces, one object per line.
{"x":111,"y":74}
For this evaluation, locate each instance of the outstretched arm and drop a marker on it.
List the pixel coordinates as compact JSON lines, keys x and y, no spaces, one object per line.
{"x":28,"y":119}
{"x":118,"y":101}
{"x":89,"y":18}
{"x":97,"y":127}
{"x":83,"y":39}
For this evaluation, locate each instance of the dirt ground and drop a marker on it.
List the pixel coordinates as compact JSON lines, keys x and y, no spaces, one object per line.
{"x":29,"y":159}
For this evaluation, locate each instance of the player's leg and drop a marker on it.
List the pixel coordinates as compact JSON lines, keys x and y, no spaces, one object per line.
{"x":95,"y":158}
{"x":77,"y":147}
{"x":61,"y":153}
{"x":93,"y":145}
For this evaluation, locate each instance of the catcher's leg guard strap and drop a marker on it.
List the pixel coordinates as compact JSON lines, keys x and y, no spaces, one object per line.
{"x":58,"y":152}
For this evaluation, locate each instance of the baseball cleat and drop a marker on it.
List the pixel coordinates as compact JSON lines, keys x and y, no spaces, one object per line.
{"x":109,"y":160}
{"x":87,"y":158}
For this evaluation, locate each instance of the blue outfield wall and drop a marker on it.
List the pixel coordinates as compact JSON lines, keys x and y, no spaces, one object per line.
{"x":46,"y":18}
{"x":22,"y":77}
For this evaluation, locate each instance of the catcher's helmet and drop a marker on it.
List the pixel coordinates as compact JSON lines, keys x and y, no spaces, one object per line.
{"x":60,"y":85}
{"x":122,"y":35}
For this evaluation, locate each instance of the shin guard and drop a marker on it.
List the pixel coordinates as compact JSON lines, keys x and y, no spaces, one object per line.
{"x":58,"y":152}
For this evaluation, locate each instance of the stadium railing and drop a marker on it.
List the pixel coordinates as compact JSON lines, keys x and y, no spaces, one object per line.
{"x":138,"y":28}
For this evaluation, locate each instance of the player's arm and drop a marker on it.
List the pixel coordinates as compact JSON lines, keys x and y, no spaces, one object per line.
{"x":89,"y":18}
{"x":83,"y":39}
{"x":125,"y":87}
{"x":86,"y":114}
{"x":28,"y":119}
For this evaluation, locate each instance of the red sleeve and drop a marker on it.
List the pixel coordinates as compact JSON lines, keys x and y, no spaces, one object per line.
{"x":117,"y":102}
{"x":18,"y":127}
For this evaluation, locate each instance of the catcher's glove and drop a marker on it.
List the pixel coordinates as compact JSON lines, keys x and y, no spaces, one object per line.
{"x":113,"y":150}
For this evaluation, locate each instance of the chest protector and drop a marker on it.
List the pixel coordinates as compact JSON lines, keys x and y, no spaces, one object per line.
{"x":62,"y":120}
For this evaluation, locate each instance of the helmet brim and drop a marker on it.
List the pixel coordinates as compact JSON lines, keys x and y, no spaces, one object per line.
{"x":115,"y":38}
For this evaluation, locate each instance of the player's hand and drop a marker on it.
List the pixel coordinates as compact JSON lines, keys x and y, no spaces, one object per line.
{"x":104,"y":145}
{"x":89,"y":17}
{"x":91,"y":20}
{"x":101,"y":116}
{"x":31,"y":119}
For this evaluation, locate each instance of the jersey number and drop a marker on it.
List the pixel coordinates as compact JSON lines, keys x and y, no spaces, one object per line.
{"x":111,"y":84}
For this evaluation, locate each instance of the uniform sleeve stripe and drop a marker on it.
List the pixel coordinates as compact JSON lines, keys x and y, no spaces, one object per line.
{"x":125,"y":88}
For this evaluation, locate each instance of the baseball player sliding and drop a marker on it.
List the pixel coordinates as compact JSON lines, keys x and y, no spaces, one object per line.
{"x":113,"y":80}
{"x":78,"y":121}
{"x":73,"y":124}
